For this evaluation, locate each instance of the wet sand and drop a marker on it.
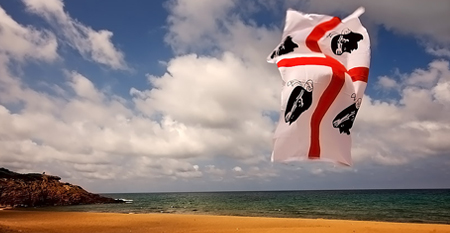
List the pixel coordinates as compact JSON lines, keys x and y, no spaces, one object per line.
{"x":76,"y":222}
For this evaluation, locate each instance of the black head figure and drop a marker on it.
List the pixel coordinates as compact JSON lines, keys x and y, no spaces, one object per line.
{"x":299,"y":101}
{"x":346,"y":42}
{"x":345,"y":119}
{"x":287,"y":47}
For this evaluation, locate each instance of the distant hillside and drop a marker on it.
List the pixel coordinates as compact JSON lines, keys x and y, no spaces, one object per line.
{"x":33,"y":189}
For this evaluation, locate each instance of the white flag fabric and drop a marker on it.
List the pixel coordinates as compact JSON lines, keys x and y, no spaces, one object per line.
{"x":324,"y":64}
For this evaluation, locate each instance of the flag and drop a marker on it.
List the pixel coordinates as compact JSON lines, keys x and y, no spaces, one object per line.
{"x":324,"y":64}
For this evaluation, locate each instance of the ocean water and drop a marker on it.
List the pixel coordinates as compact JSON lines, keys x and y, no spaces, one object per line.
{"x":418,"y":206}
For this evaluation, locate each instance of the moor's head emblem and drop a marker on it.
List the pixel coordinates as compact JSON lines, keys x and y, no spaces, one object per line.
{"x":345,"y":119}
{"x":287,"y":47}
{"x":347,"y":41}
{"x":299,"y":100}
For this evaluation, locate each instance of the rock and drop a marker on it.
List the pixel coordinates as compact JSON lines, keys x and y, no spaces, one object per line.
{"x":33,"y":189}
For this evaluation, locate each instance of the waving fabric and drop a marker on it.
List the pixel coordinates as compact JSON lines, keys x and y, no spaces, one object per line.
{"x":324,"y":64}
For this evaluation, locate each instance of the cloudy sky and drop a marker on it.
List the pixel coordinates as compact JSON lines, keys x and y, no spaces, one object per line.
{"x":155,"y":96}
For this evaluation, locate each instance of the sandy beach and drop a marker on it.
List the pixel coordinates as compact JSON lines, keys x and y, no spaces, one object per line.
{"x":76,"y":222}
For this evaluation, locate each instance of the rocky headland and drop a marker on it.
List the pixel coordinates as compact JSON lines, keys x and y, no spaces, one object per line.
{"x":34,"y":189}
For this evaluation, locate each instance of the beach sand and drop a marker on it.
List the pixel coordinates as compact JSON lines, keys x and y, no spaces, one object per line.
{"x":77,"y":222}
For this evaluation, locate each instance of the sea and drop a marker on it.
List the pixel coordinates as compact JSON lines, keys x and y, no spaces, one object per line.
{"x":414,"y":206}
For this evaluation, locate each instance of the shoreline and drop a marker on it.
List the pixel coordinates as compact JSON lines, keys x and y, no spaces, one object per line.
{"x":68,"y":222}
{"x":195,"y":213}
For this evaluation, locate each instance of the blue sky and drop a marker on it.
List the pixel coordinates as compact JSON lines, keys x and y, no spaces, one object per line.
{"x":152,"y":96}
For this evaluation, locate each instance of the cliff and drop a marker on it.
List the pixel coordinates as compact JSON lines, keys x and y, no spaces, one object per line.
{"x":33,"y":189}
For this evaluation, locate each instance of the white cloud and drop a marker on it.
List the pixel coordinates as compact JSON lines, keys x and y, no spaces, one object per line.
{"x":411,"y":17}
{"x":205,"y":26}
{"x":387,"y":83}
{"x":84,"y":88}
{"x":427,"y":78}
{"x":415,"y":126}
{"x":441,"y":92}
{"x":318,"y":171}
{"x":91,"y":44}
{"x":173,"y":168}
{"x":238,"y":172}
{"x":213,"y":170}
{"x":237,"y":169}
{"x":89,"y":128}
{"x":203,"y":107}
{"x":220,"y":103}
{"x":262,"y":173}
{"x":215,"y":87}
{"x":195,"y":24}
{"x":438,"y":51}
{"x":220,"y":84}
{"x":21,"y":42}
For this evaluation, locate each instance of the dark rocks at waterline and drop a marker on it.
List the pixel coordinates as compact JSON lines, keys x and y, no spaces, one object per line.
{"x":34,"y":189}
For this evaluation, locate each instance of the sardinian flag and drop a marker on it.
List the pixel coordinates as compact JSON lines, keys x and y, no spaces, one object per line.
{"x":324,"y":64}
